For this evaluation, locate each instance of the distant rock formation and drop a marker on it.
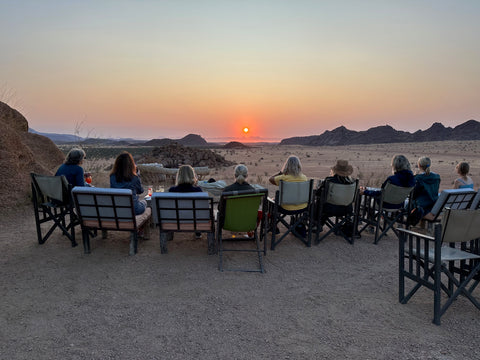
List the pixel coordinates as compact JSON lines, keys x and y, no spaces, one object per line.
{"x":235,"y":145}
{"x":189,"y":140}
{"x":22,"y":152}
{"x":174,"y":155}
{"x":469,"y":130}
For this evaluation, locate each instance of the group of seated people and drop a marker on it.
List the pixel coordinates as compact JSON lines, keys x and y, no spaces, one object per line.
{"x":124,"y":175}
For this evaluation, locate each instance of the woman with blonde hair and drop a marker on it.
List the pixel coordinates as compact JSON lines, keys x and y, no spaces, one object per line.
{"x":425,"y":193}
{"x":402,"y":176}
{"x":186,"y":180}
{"x":291,"y":172}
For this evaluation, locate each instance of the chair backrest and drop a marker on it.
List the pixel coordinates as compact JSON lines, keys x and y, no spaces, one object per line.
{"x":239,"y":209}
{"x":105,"y":208}
{"x":453,"y":199}
{"x":295,"y":193}
{"x":460,"y":225}
{"x":476,"y":201}
{"x":341,"y":194}
{"x":51,"y":187}
{"x":394,"y":194}
{"x":183,"y":211}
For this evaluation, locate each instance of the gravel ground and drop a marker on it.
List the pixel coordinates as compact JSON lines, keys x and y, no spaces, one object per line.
{"x":329,"y":301}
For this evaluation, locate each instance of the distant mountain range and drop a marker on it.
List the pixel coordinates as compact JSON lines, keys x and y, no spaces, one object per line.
{"x":469,"y":130}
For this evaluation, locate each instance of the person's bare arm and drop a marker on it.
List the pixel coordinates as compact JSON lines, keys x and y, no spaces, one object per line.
{"x":272,"y":178}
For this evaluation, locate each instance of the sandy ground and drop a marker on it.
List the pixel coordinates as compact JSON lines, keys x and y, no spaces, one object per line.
{"x":331,"y":301}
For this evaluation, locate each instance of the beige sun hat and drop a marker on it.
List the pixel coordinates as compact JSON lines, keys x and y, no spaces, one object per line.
{"x":342,"y":168}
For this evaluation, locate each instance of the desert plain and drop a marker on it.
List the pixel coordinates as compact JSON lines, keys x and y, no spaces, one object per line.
{"x":331,"y":301}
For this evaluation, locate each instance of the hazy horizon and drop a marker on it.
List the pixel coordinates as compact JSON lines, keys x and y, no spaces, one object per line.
{"x":281,"y":68}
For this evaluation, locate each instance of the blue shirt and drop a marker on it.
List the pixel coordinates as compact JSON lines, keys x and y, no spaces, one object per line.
{"x":136,"y":186}
{"x":73,"y":173}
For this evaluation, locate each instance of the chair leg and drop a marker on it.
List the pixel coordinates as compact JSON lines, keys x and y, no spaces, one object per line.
{"x":86,"y":241}
{"x":163,"y":242}
{"x":133,"y":242}
{"x":220,"y":248}
{"x":211,"y":244}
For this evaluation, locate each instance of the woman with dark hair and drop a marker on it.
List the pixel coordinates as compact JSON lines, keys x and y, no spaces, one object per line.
{"x":124,"y":176}
{"x":72,"y":168}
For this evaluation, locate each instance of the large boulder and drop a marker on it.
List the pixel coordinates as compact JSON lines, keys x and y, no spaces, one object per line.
{"x":20,"y":154}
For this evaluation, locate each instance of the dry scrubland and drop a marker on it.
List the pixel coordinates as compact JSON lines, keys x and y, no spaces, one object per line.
{"x":331,"y":301}
{"x":371,"y":162}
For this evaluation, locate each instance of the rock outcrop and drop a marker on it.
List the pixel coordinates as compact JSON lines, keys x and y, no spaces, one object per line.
{"x":174,"y":155}
{"x":20,"y":154}
{"x":189,"y":140}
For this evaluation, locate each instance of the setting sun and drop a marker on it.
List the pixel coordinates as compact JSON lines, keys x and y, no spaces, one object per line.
{"x":245,"y":130}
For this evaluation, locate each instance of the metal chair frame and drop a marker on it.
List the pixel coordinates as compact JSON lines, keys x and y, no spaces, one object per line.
{"x":53,"y":203}
{"x":296,"y":217}
{"x":247,"y":203}
{"x":337,"y":194}
{"x":424,"y":262}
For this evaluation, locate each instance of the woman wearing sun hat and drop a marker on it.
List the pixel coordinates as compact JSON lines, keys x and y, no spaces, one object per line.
{"x":339,"y":174}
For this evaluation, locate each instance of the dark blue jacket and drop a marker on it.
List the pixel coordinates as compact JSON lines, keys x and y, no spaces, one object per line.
{"x":425,"y":193}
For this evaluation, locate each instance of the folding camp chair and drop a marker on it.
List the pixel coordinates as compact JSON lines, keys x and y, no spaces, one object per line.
{"x":425,"y":261}
{"x":384,"y":212}
{"x":453,"y":199}
{"x":336,"y":201}
{"x":475,"y":202}
{"x":292,"y":193}
{"x":52,"y":204}
{"x":238,"y":211}
{"x":184,"y":212}
{"x":109,"y":209}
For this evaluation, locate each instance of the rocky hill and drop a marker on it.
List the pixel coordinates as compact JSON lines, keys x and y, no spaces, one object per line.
{"x":189,"y":140}
{"x":174,"y":155}
{"x":469,"y":130}
{"x":22,"y":152}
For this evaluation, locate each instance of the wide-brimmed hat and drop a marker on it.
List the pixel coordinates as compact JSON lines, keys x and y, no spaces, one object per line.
{"x":342,"y":168}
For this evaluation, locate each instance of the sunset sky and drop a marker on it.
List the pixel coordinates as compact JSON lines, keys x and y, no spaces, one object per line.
{"x":155,"y":69}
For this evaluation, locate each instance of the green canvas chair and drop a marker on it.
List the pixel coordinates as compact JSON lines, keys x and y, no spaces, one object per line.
{"x":452,"y":255}
{"x":53,"y":206}
{"x":238,"y":211}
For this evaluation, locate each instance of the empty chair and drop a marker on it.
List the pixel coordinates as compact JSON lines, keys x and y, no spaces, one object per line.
{"x":476,"y":201}
{"x":109,"y":209}
{"x":292,"y":193}
{"x":52,"y":205}
{"x":449,"y":262}
{"x":239,"y":212}
{"x":453,"y":199}
{"x":336,"y":201}
{"x":184,"y":212}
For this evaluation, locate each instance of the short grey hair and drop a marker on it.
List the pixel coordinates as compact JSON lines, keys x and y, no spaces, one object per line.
{"x":75,"y":156}
{"x":241,"y":173}
{"x":292,"y":166}
{"x":186,"y":175}
{"x":400,"y":162}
